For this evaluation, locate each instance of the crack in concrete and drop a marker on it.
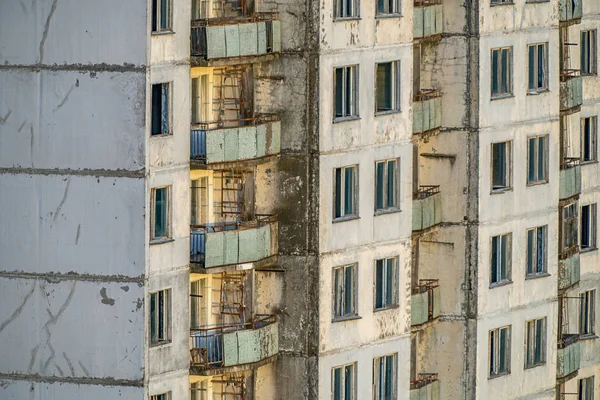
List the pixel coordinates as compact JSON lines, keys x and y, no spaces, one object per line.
{"x":23,"y":6}
{"x":5,"y":118}
{"x":77,"y":235}
{"x":33,"y":356}
{"x":46,"y":29}
{"x":60,"y":371}
{"x":85,"y":371}
{"x":66,"y":98}
{"x":21,"y":127}
{"x":62,"y":202}
{"x":18,"y":311}
{"x":69,"y":363}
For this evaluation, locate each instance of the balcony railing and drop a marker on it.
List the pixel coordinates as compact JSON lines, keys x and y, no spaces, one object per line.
{"x":232,"y":345}
{"x":427,"y":110}
{"x":427,"y":387}
{"x":253,"y":35}
{"x":230,"y":141}
{"x":571,"y":90}
{"x":231,"y":243}
{"x":569,"y":178}
{"x":427,"y":21}
{"x":570,"y":11}
{"x":568,"y":359}
{"x":427,"y":207}
{"x":425,"y":301}
{"x":569,"y":268}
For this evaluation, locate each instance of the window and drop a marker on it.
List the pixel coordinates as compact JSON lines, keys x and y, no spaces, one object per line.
{"x":501,"y":258}
{"x":500,"y":351}
{"x":386,"y":283}
{"x":495,"y":2}
{"x":535,"y":343}
{"x":537,"y":167}
{"x":347,"y":9}
{"x":160,"y":213}
{"x":160,"y":109}
{"x":387,"y":87}
{"x":161,"y":15}
{"x":588,"y":53}
{"x":569,"y":226}
{"x":160,"y":316}
{"x":344,"y":291}
{"x":587,"y":315}
{"x":201,"y":104}
{"x":538,"y":67}
{"x":536,"y":250}
{"x":386,"y":7}
{"x":384,"y":377}
{"x":164,"y":396}
{"x":501,"y":166}
{"x":386,"y":185}
{"x":346,"y":92}
{"x":344,"y":382}
{"x":501,"y":71}
{"x":586,"y":388}
{"x":588,"y":226}
{"x":346,"y":188}
{"x":589,"y":139}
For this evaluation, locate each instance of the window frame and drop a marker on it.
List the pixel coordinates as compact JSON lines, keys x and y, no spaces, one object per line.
{"x":355,"y":207}
{"x":354,"y":92}
{"x":340,"y":15}
{"x":508,"y":168}
{"x":155,"y":27}
{"x":168,"y":215}
{"x":573,"y":222}
{"x":386,"y":189}
{"x":536,"y":140}
{"x":505,"y":237}
{"x":586,"y":392}
{"x":591,"y":210}
{"x":169,"y":101}
{"x":338,"y":308}
{"x":589,"y":136}
{"x":587,"y":313}
{"x":498,"y":76}
{"x":394,"y":285}
{"x":342,"y":392}
{"x":165,"y":336}
{"x":589,"y":52}
{"x":395,"y":88}
{"x":531,"y":343}
{"x":532,"y":270}
{"x":494,"y":3}
{"x":380,"y":363}
{"x":396,"y":11}
{"x":494,"y":352}
{"x":545,"y":69}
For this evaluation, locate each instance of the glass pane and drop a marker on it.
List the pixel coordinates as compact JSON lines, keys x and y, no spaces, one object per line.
{"x":379,"y":283}
{"x":380,"y":182}
{"x":384,"y":86}
{"x":532,"y":71}
{"x":389,"y":377}
{"x":349,"y":191}
{"x":585,"y":226}
{"x":349,"y":92}
{"x":391,"y":184}
{"x":339,"y":92}
{"x":505,"y":71}
{"x":337,"y":384}
{"x":389,"y":282}
{"x":541,"y":249}
{"x":586,"y":140}
{"x":381,"y":6}
{"x":499,"y":165}
{"x":504,"y":258}
{"x":495,"y":70}
{"x":156,"y":109}
{"x":338,"y":192}
{"x":495,"y":259}
{"x":161,"y":315}
{"x":164,"y":14}
{"x":155,"y":15}
{"x":539,"y":330}
{"x":541,"y":64}
{"x":502,"y":367}
{"x":153,"y":331}
{"x":541,"y":167}
{"x":531,"y":173}
{"x":164,"y":117}
{"x":530,"y":251}
{"x":349,"y":290}
{"x":337,"y":292}
{"x":160,"y":216}
{"x":493,"y":349}
{"x":348,"y":383}
{"x":584,"y":49}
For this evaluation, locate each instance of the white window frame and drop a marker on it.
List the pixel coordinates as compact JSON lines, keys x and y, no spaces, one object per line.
{"x":168,"y":230}
{"x":589,"y":138}
{"x":394,"y":89}
{"x":587,"y":313}
{"x":536,"y":49}
{"x":532,"y":329}
{"x":497,"y":280}
{"x":354,"y":212}
{"x":385,"y":265}
{"x":339,"y":290}
{"x":346,"y":9}
{"x":342,"y":390}
{"x":162,"y":336}
{"x":532,"y":253}
{"x":535,"y":141}
{"x":507,"y":168}
{"x":391,"y":8}
{"x":354,"y":92}
{"x":497,"y":75}
{"x":379,"y":381}
{"x":494,"y":351}
{"x":386,"y":189}
{"x":589,"y":53}
{"x":156,"y":22}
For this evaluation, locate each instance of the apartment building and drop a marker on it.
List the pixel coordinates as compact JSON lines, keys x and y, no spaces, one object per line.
{"x":337,"y":199}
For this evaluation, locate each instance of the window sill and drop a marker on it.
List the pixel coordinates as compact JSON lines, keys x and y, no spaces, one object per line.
{"x":387,"y":112}
{"x":391,"y":15}
{"x":588,"y":336}
{"x":162,"y":33}
{"x":588,"y":162}
{"x":161,"y":241}
{"x":344,"y":219}
{"x":388,"y":308}
{"x":387,"y":211}
{"x":502,"y":4}
{"x":345,"y":119}
{"x":536,"y":1}
{"x":345,"y":19}
{"x":537,"y":276}
{"x":540,"y":364}
{"x":590,"y":74}
{"x":161,"y":343}
{"x":161,"y":135}
{"x":501,"y":191}
{"x":534,"y":184}
{"x":500,"y":284}
{"x":348,"y":318}
{"x":587,"y":249}
{"x":499,"y":375}
{"x":538,"y":92}
{"x":502,"y":96}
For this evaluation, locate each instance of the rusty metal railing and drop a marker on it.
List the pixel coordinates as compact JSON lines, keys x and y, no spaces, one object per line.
{"x":570,"y":162}
{"x":425,"y":191}
{"x":259,"y":119}
{"x":427,"y":94}
{"x":567,"y":74}
{"x":424,"y":379}
{"x":427,"y":3}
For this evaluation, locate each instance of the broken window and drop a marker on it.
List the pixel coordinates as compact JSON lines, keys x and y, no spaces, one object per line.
{"x":587,"y":314}
{"x":386,"y":285}
{"x":588,"y":226}
{"x":569,"y":226}
{"x":537,"y":166}
{"x":586,"y":388}
{"x":384,"y":377}
{"x":538,"y":67}
{"x":161,"y":15}
{"x":387,"y":87}
{"x":346,"y":91}
{"x":160,"y":214}
{"x":588,"y":52}
{"x":535,"y":343}
{"x":160,"y":109}
{"x":386,"y":185}
{"x":501,"y":258}
{"x":346,"y":182}
{"x":589,"y":139}
{"x":386,"y":7}
{"x":343,"y":382}
{"x":346,"y":9}
{"x":160,"y":316}
{"x":501,"y":166}
{"x":500,"y":351}
{"x":344,"y":291}
{"x":536,"y":250}
{"x":501,"y":71}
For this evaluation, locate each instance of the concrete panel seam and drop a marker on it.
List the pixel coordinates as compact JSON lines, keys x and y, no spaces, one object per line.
{"x":71,"y":276}
{"x":108,"y":381}
{"x":107,"y":173}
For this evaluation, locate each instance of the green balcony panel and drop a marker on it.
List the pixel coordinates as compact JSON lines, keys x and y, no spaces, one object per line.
{"x":243,"y":143}
{"x":427,"y":21}
{"x":427,"y":212}
{"x":568,"y":360}
{"x":427,"y":115}
{"x":436,"y":302}
{"x":419,"y":308}
{"x":571,"y":93}
{"x":569,"y":10}
{"x":568,"y":272}
{"x":250,"y":345}
{"x":570,"y":182}
{"x":431,"y":391}
{"x":239,"y":40}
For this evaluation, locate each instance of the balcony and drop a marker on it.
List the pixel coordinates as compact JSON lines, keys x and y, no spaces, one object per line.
{"x":568,"y":269}
{"x":427,"y":387}
{"x":570,"y":11}
{"x":427,"y":208}
{"x":570,"y":178}
{"x":249,"y":139}
{"x":571,"y":91}
{"x":219,"y":39}
{"x":224,"y":244}
{"x":427,"y":111}
{"x":427,"y":19}
{"x":425,"y":302}
{"x":568,"y":357}
{"x":215,"y":348}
